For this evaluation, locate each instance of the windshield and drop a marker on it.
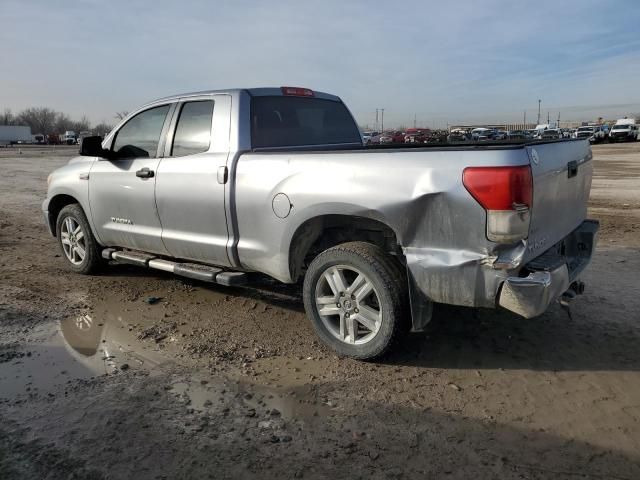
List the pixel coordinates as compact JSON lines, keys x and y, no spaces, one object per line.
{"x":585,"y":129}
{"x":283,"y":121}
{"x":620,"y":127}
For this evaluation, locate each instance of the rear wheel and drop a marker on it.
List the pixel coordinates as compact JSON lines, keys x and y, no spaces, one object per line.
{"x":356,"y":296}
{"x":78,"y":245}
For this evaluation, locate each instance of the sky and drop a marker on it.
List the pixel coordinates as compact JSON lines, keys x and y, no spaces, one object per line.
{"x":440,"y":62}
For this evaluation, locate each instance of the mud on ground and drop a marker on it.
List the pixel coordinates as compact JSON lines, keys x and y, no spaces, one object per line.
{"x":138,"y":374}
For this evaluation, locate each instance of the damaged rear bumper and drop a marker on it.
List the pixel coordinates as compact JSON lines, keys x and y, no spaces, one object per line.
{"x":550,"y":275}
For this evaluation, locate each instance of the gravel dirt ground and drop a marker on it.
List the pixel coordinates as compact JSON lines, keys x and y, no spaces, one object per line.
{"x":138,"y":374}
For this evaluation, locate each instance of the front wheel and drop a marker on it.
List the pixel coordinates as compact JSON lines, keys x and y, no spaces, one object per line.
{"x":78,"y":245}
{"x":356,"y":297}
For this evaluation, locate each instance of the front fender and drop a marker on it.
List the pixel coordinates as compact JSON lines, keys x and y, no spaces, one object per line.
{"x":71,"y":180}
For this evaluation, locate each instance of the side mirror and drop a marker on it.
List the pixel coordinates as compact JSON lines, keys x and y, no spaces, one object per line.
{"x":92,"y":147}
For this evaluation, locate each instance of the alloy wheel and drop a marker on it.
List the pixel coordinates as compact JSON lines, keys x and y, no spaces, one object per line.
{"x":73,"y":240}
{"x":348,"y":304}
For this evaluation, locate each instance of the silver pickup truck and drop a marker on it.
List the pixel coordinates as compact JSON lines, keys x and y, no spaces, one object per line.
{"x":221,"y":185}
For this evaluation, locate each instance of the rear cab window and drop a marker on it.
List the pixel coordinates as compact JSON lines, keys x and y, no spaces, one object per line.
{"x":290,"y":121}
{"x":193,"y":130}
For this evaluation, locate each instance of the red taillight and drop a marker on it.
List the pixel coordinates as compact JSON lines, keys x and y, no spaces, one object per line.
{"x":297,"y":91}
{"x":499,"y":188}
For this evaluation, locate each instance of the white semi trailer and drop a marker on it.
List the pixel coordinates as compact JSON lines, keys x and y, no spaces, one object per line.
{"x":10,"y":134}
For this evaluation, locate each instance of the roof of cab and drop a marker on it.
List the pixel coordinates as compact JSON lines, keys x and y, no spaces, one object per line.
{"x":254,"y":92}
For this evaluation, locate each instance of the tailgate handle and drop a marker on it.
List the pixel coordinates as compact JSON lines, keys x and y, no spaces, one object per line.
{"x":572,"y":168}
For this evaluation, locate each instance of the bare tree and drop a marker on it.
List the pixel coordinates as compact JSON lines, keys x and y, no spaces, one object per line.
{"x":81,"y":125}
{"x":102,"y":129}
{"x":40,"y":119}
{"x":121,"y":115}
{"x":7,"y":118}
{"x":63,"y":123}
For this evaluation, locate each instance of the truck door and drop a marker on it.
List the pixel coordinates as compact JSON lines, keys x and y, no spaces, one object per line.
{"x":191,"y":180}
{"x":122,"y":189}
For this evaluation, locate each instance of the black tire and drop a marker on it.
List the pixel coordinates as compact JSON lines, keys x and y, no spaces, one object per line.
{"x":389,"y":282}
{"x":92,"y":260}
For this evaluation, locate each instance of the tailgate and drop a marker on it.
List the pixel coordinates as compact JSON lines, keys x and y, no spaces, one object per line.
{"x":561,"y":183}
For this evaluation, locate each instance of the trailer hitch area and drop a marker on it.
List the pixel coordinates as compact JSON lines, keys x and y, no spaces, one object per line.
{"x":575,"y":289}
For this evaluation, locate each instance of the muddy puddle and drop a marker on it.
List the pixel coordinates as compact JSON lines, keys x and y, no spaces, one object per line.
{"x":115,"y":340}
{"x":300,"y":403}
{"x":79,"y":347}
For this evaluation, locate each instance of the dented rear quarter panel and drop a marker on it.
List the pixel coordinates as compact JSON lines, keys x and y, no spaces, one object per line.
{"x":419,"y":194}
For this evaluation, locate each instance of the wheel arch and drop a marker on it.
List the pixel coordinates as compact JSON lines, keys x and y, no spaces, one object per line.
{"x":321,"y":232}
{"x":56,"y":204}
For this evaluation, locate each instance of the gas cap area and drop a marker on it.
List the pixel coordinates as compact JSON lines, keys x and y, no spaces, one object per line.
{"x":281,"y":205}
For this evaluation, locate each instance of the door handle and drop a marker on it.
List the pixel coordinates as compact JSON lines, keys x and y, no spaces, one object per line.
{"x":223,"y":174}
{"x":144,"y":173}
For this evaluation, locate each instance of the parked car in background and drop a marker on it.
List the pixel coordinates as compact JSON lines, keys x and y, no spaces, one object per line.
{"x":519,"y":135}
{"x":482,"y":134}
{"x":624,"y":133}
{"x":587,"y":132}
{"x":625,"y":129}
{"x":595,"y":133}
{"x":375,"y":138}
{"x":69,"y":138}
{"x":417,"y":135}
{"x":501,"y":135}
{"x":602,"y":133}
{"x":458,"y":135}
{"x":395,"y":136}
{"x":551,"y":134}
{"x":53,"y":139}
{"x":39,"y":139}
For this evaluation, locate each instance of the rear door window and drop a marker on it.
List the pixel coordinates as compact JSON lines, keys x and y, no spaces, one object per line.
{"x":140,"y":136}
{"x":193,"y":131}
{"x":283,"y":121}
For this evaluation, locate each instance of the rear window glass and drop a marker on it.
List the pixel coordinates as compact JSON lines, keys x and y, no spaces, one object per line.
{"x":296,"y":121}
{"x":193,"y":132}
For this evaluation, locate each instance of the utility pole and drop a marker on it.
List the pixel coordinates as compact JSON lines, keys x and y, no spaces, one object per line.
{"x":414,"y":120}
{"x":558,"y":126}
{"x":382,"y":128}
{"x":539,"y":102}
{"x":548,"y":120}
{"x":524,"y":125}
{"x":376,"y":119}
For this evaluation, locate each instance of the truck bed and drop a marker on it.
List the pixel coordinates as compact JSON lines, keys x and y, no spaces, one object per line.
{"x":462,"y":146}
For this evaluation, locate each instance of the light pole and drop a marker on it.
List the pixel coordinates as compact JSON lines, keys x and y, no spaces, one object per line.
{"x":382,"y":127}
{"x":539,"y":102}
